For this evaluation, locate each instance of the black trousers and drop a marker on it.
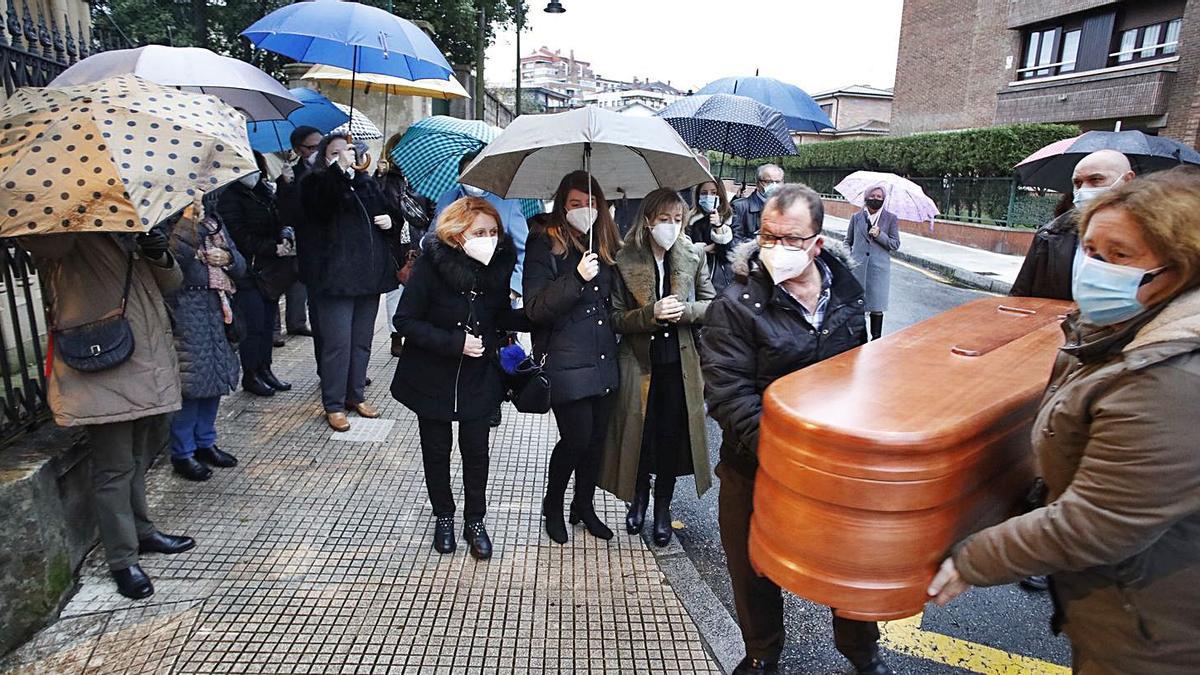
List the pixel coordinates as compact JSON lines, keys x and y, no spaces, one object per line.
{"x":436,"y":442}
{"x":259,"y":313}
{"x":665,"y":437}
{"x":759,"y":602}
{"x":582,"y":425}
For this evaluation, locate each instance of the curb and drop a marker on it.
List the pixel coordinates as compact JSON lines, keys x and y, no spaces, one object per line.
{"x":961,"y":276}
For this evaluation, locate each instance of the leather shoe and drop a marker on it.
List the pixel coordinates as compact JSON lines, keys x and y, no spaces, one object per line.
{"x":301,"y":330}
{"x":876,"y":667}
{"x":636,"y":519}
{"x":750,"y":666}
{"x":165,"y":543}
{"x":364,"y":409}
{"x":337,"y":421}
{"x":443,"y":535}
{"x":215,"y":456}
{"x":496,"y":418}
{"x":256,"y":386}
{"x":133,"y":583}
{"x":278,"y":341}
{"x":191,"y":469}
{"x":477,"y":538}
{"x":397,"y":345}
{"x":268,"y":378}
{"x":662,"y":521}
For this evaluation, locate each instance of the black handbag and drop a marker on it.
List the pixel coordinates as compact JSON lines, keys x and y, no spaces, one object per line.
{"x":98,"y":345}
{"x":529,"y":388}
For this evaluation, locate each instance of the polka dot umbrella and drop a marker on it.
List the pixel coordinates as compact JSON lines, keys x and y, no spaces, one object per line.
{"x":118,"y":155}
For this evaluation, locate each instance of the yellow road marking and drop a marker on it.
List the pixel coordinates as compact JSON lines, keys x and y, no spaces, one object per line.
{"x":905,"y":636}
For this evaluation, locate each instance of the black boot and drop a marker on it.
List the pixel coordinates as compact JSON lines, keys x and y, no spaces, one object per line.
{"x":254,"y":385}
{"x":215,"y":456}
{"x":750,"y":666}
{"x":443,"y":534}
{"x":397,"y":345}
{"x":268,"y":378}
{"x":662,"y":521}
{"x":636,"y":520}
{"x":496,"y":418}
{"x":876,"y":325}
{"x":133,"y":583}
{"x":165,"y":543}
{"x":877,"y":666}
{"x":587,"y":514}
{"x":191,"y":469}
{"x":477,"y":538}
{"x":556,"y":529}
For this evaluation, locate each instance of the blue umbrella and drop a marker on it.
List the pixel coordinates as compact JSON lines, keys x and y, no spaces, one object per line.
{"x":799,"y":109}
{"x":735,"y":125}
{"x":316,"y":111}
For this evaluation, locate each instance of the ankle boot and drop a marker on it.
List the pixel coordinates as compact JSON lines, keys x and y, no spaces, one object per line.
{"x":556,"y":529}
{"x":268,"y":378}
{"x":591,"y":521}
{"x":636,"y":519}
{"x":662,"y":521}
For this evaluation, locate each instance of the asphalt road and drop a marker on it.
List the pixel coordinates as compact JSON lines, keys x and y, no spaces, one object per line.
{"x":1008,"y":618}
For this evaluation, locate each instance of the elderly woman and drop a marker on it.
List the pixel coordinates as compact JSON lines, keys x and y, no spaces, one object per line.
{"x":873,"y":234}
{"x":711,"y":223}
{"x":1114,"y":437}
{"x":661,"y":294}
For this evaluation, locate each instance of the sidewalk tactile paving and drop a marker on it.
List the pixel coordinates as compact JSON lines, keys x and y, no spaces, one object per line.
{"x":314,"y":556}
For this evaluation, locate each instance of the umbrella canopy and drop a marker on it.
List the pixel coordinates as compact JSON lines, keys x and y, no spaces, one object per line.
{"x":903,"y":197}
{"x":1052,"y":166}
{"x":317,"y":111}
{"x":394,"y":86}
{"x":736,"y":125}
{"x":360,"y":127}
{"x":629,"y":156}
{"x":193,"y":69}
{"x":798,"y":108}
{"x":119,"y":155}
{"x":430,"y":150}
{"x":352,"y":36}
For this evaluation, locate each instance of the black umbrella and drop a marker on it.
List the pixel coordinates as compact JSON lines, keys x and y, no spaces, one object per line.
{"x":1052,"y":166}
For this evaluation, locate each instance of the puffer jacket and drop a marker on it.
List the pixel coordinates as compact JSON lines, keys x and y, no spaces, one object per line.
{"x":754,"y":335}
{"x":83,"y":276}
{"x":208,"y":363}
{"x":448,"y":294}
{"x":571,"y":322}
{"x":1120,"y":534}
{"x":341,"y":250}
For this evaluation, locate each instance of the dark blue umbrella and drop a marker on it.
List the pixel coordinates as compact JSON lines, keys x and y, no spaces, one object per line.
{"x":799,"y":109}
{"x":1052,"y":166}
{"x":315,"y":111}
{"x":735,"y":125}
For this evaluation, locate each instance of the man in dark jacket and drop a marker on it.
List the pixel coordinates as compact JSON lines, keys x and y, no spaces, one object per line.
{"x":747,"y":212}
{"x":793,"y":303}
{"x":1046,"y":272}
{"x":305,"y":140}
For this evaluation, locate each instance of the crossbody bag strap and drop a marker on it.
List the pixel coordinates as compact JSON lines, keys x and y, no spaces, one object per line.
{"x":128,"y":282}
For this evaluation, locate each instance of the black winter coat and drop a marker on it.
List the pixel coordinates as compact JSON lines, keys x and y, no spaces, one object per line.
{"x":448,"y":295}
{"x":571,"y":322}
{"x":1048,"y":266}
{"x":754,"y":335}
{"x":747,"y":215}
{"x":252,"y":220}
{"x":341,"y":250}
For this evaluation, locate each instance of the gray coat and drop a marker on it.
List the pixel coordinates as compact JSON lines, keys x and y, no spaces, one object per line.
{"x":872,"y":256}
{"x":208,"y":364}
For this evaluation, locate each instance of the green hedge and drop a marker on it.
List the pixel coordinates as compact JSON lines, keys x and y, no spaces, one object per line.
{"x":990,"y":152}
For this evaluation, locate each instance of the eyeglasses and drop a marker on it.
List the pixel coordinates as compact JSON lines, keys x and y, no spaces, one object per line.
{"x":766,"y":240}
{"x":311,"y":148}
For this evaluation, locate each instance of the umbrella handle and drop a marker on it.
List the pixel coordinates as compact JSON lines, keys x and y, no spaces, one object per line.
{"x":587,"y":166}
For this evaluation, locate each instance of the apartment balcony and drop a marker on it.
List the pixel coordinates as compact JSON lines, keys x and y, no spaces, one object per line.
{"x":1134,"y":90}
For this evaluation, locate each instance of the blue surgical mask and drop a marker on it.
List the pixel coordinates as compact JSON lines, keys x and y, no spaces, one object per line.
{"x":1107,"y":293}
{"x":770,"y":188}
{"x":708,"y":203}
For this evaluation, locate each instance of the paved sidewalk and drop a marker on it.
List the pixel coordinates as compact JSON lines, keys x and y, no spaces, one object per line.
{"x":314,"y":557}
{"x":993,"y":272}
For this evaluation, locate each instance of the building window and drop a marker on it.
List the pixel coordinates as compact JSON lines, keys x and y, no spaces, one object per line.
{"x":827,"y":108}
{"x":1148,"y":42}
{"x":1050,"y":51}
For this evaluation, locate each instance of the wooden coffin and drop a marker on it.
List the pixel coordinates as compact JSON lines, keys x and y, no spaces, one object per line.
{"x":874,"y":463}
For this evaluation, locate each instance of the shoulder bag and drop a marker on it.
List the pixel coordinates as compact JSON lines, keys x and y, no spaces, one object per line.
{"x":98,"y":345}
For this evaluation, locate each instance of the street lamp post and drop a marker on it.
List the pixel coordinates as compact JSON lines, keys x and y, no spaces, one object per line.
{"x":520,"y":25}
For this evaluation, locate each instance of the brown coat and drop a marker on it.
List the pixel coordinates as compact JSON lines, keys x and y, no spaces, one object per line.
{"x":1116,"y":442}
{"x":83,"y":276}
{"x":633,"y":301}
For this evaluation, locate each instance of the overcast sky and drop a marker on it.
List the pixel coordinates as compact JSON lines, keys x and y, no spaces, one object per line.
{"x":817,"y":45}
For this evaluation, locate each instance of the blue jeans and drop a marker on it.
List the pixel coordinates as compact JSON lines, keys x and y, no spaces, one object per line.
{"x":194,"y":426}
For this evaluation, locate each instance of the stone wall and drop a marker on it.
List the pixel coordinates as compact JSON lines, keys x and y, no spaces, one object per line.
{"x":1006,"y":240}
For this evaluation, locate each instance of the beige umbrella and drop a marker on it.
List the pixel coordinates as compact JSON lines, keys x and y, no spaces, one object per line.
{"x":395,"y":86}
{"x":117,"y":155}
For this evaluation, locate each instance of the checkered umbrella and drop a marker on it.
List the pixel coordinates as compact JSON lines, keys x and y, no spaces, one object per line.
{"x":735,"y":125}
{"x":360,"y":127}
{"x":430,"y":150}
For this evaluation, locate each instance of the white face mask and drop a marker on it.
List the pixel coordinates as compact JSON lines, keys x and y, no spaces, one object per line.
{"x":582,"y":219}
{"x":249,"y":180}
{"x":665,"y":234}
{"x":311,"y":159}
{"x":481,"y":248}
{"x":783,"y":264}
{"x":1084,"y":195}
{"x":473,"y":191}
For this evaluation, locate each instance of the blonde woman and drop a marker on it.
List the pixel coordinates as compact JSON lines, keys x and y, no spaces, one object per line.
{"x":661,"y":294}
{"x":711,"y":224}
{"x":453,"y":316}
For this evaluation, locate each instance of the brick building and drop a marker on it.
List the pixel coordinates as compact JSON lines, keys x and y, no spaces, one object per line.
{"x":975,"y":63}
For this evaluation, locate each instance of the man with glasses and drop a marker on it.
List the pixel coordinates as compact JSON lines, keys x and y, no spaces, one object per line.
{"x":747,"y":212}
{"x":793,"y":303}
{"x":305,"y":141}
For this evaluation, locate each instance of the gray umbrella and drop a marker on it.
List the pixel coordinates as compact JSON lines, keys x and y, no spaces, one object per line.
{"x":1052,"y":166}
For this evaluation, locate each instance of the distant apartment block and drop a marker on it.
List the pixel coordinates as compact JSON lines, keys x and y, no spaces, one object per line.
{"x":857,"y":112}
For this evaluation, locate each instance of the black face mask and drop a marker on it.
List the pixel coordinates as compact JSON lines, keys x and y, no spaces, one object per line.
{"x":874,"y":204}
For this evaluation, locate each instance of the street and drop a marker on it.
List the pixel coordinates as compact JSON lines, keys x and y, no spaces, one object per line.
{"x":1008,"y":618}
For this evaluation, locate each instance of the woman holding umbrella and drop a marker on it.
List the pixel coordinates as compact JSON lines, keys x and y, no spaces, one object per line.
{"x":711,"y":223}
{"x":567,"y":285}
{"x":873,"y":234}
{"x":345,"y":251}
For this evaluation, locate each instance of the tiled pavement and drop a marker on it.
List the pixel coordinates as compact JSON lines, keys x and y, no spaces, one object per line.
{"x":314,"y":557}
